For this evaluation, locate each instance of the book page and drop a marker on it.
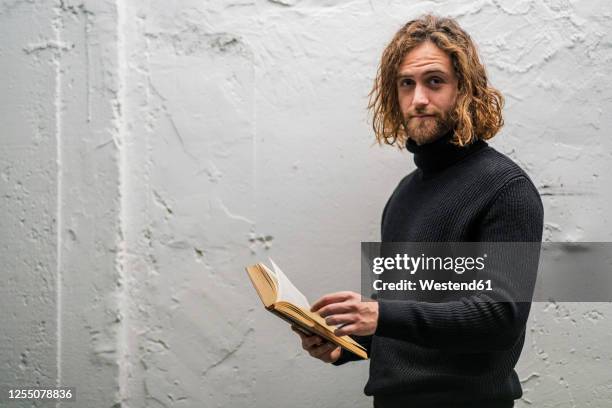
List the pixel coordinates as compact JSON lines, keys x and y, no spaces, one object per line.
{"x":287,"y":291}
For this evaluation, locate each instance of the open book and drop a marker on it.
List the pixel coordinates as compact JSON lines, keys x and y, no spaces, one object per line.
{"x":280,"y":297}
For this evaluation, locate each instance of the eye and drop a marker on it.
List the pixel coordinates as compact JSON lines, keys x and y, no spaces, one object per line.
{"x":405,"y":82}
{"x":435,"y":81}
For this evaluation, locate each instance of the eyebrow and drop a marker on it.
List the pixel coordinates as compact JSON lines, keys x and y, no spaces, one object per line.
{"x":429,"y":71}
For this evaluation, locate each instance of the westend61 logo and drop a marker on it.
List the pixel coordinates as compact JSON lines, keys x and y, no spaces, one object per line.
{"x":412,"y":264}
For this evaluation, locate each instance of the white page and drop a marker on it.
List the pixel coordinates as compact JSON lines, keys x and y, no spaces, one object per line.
{"x":286,"y":290}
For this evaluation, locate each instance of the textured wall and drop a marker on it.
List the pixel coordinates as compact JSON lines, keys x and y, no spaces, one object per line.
{"x":152,"y":150}
{"x":28,"y":184}
{"x":60,"y":198}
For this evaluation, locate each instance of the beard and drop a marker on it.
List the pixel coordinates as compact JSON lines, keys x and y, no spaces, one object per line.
{"x":429,"y":129}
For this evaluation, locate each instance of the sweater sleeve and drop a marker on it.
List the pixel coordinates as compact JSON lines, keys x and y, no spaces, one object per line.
{"x":492,"y":321}
{"x":346,"y":356}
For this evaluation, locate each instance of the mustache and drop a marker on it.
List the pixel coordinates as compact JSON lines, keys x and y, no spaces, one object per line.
{"x":413,"y":114}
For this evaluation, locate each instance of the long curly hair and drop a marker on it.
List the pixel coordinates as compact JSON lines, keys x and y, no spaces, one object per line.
{"x":478,"y":110}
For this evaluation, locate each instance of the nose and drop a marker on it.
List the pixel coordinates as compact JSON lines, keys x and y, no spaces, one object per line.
{"x":420,"y":99}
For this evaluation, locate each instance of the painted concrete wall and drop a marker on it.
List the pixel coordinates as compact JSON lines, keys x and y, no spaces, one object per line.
{"x":28,"y":184}
{"x":153,"y":149}
{"x":60,"y":198}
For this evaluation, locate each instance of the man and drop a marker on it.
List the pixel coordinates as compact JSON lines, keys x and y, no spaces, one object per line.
{"x":432,"y":96}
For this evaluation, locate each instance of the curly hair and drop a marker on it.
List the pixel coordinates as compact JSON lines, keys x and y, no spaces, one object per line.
{"x":478,"y":110}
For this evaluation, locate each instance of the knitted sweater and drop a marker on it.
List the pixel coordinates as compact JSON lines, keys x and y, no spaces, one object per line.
{"x":457,"y":353}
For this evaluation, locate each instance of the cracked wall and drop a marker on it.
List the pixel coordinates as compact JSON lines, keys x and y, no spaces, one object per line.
{"x":154,"y":149}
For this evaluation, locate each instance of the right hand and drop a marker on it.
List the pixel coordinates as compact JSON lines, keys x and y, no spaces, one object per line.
{"x":318,"y":347}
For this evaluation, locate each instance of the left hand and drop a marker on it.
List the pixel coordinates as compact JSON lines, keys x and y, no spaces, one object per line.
{"x":346,"y":308}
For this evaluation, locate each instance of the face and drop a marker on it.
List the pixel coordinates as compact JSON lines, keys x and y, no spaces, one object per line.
{"x":427,"y":90}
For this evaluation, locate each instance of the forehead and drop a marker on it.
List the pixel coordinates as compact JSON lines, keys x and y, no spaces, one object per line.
{"x":425,"y":57}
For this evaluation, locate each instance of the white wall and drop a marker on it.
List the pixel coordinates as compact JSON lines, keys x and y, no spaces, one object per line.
{"x":60,"y":198}
{"x":28,"y":184}
{"x":152,"y":150}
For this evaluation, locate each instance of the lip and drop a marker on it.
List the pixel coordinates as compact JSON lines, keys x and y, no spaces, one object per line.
{"x":423,"y":116}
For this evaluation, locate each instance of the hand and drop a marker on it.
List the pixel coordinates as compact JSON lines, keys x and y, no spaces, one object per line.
{"x":347,"y":309}
{"x":318,"y":347}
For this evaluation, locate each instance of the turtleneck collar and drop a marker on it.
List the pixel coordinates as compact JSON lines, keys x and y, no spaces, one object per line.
{"x":441,"y":153}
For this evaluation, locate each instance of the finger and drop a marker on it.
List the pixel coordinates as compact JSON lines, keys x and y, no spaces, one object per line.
{"x":346,"y":318}
{"x":312,"y":341}
{"x":330,"y":298}
{"x":321,"y":350}
{"x":309,"y":345}
{"x":346,"y":330}
{"x":327,"y":357}
{"x":337,"y":308}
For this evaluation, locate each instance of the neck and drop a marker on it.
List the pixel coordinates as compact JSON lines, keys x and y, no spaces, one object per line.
{"x":441,"y":153}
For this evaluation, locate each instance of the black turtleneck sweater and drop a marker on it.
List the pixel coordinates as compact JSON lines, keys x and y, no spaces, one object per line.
{"x":463,"y":353}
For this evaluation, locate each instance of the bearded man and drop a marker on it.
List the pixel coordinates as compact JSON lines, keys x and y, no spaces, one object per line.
{"x":431,"y":95}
